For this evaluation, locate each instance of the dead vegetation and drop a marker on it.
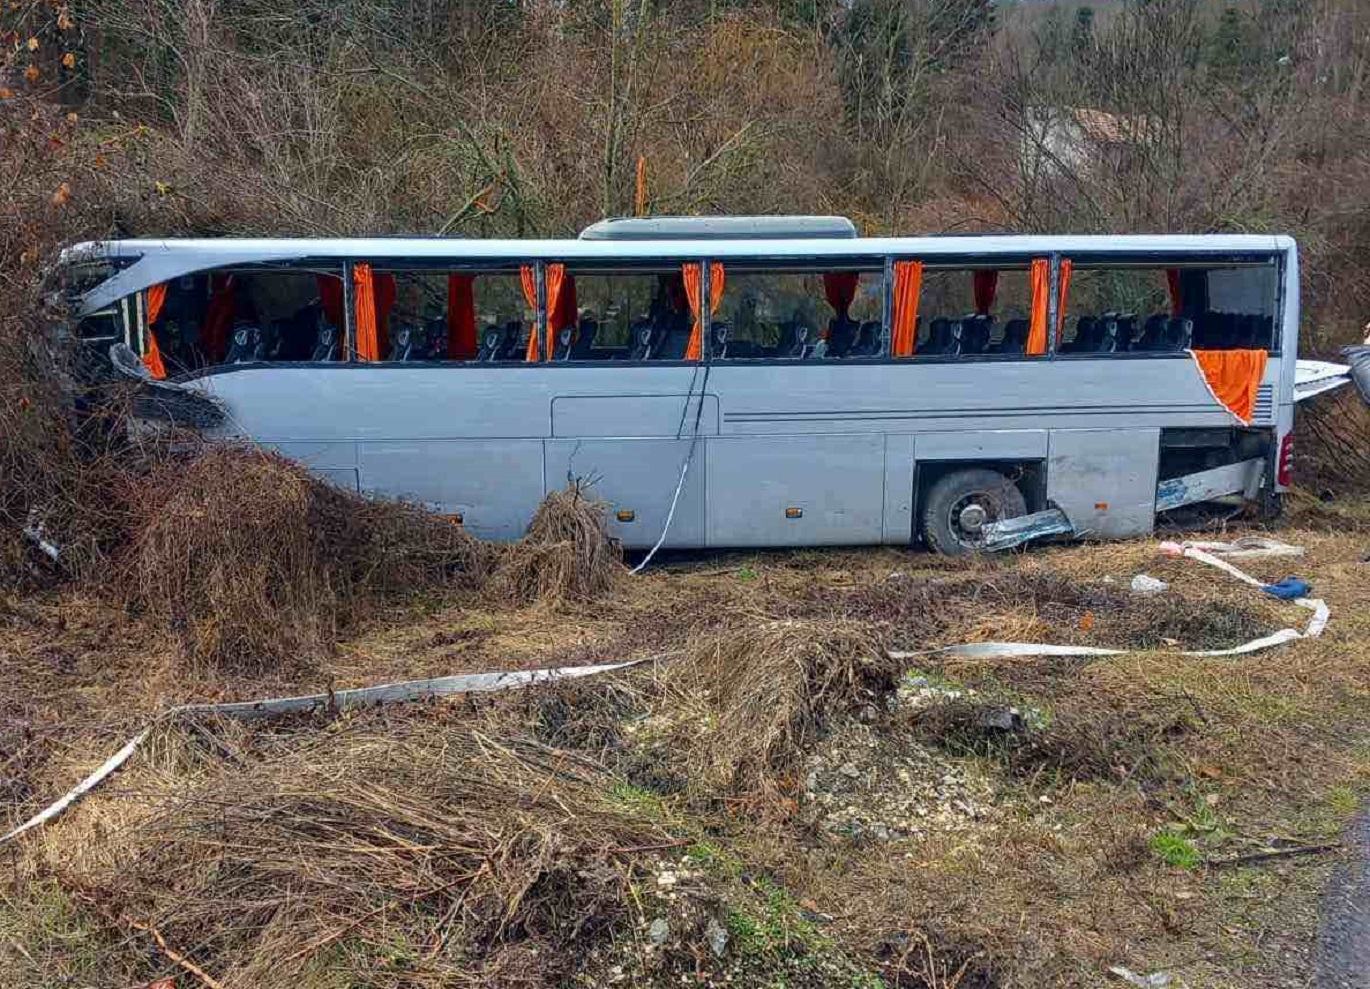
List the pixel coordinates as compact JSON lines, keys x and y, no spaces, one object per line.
{"x":566,"y":556}
{"x":753,"y":699}
{"x":390,"y":850}
{"x":311,"y":851}
{"x":253,"y":561}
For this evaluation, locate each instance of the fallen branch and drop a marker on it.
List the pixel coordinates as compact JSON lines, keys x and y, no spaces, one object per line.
{"x":204,"y":977}
{"x":1275,"y":853}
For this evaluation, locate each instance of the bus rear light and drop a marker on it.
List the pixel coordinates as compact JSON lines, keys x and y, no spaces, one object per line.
{"x":1285,"y":470}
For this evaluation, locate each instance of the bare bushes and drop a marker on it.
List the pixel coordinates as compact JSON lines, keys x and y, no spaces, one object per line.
{"x":567,"y":554}
{"x":256,"y":563}
{"x":467,"y":850}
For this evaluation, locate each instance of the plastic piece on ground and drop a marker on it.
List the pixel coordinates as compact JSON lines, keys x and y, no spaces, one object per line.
{"x":1288,"y":589}
{"x":1156,"y":980}
{"x":1009,"y":533}
{"x":1146,"y":584}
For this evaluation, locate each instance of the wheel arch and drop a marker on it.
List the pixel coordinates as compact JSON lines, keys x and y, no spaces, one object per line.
{"x":1028,"y":475}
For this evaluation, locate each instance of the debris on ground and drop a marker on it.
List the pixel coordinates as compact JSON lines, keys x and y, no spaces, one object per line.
{"x":866,"y":784}
{"x":1146,"y":584}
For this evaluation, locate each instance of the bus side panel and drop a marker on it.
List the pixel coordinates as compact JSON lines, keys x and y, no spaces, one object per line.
{"x":899,"y":481}
{"x":637,"y":476}
{"x":495,"y":485}
{"x":806,"y":490}
{"x":1105,"y":480}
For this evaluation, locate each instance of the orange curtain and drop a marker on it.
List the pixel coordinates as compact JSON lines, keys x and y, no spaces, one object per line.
{"x":152,"y":360}
{"x":219,"y":316}
{"x":1062,"y":297}
{"x":1172,"y":283}
{"x":985,"y":284}
{"x":364,"y":301}
{"x":1041,"y":298}
{"x":840,"y":289}
{"x":1233,"y":376}
{"x":461,"y":317}
{"x":528,"y":278}
{"x":908,"y":285}
{"x":693,"y":275}
{"x":567,"y":311}
{"x":561,"y":303}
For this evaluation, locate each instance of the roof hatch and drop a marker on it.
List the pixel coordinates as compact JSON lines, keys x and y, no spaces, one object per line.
{"x":721,"y":228}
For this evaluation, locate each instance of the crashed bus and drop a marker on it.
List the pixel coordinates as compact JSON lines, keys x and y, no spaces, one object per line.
{"x":738,"y":381}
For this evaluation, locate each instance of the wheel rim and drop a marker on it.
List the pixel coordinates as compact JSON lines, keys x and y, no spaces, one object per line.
{"x":969,"y":515}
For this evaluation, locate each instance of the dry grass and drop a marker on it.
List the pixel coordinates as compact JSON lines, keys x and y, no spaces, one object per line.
{"x":709,"y":745}
{"x":566,"y":556}
{"x":256,"y":563}
{"x":763,"y":693}
{"x":389,"y":850}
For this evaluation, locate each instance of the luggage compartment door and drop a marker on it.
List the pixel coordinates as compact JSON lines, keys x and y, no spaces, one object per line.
{"x":796,"y":490}
{"x":1105,"y":480}
{"x":638,"y":478}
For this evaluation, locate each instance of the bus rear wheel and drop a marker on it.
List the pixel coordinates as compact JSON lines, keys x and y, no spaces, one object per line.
{"x":959,"y":505}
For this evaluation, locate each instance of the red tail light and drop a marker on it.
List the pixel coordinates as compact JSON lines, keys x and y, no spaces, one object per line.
{"x":1286,"y":465}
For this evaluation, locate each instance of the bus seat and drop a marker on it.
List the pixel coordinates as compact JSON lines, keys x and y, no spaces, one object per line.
{"x":325,"y":342}
{"x":975,"y":334}
{"x":490,"y":339}
{"x":1106,"y":340}
{"x":403,"y":345}
{"x":1086,"y":334}
{"x":1248,"y":328}
{"x":500,"y":343}
{"x":793,"y":338}
{"x":435,"y":339}
{"x":1015,"y":338}
{"x":842,"y":334}
{"x":245,"y":345}
{"x":1127,"y":328}
{"x":561,"y":349}
{"x":718,"y":340}
{"x":1153,"y":331}
{"x":583,"y":345}
{"x":944,"y":336}
{"x":641,"y":341}
{"x":1178,"y":334}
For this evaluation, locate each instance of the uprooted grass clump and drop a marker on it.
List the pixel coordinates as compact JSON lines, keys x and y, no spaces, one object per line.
{"x":753,"y":700}
{"x":256,"y":563}
{"x":566,"y":556}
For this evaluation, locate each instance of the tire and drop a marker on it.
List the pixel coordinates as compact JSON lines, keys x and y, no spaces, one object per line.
{"x":951,"y":494}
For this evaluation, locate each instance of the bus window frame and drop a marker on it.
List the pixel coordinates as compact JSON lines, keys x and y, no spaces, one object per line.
{"x":865,"y":264}
{"x":1018,"y":261}
{"x":1160,"y":261}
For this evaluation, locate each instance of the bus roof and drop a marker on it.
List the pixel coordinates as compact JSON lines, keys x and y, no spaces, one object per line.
{"x":148,"y":262}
